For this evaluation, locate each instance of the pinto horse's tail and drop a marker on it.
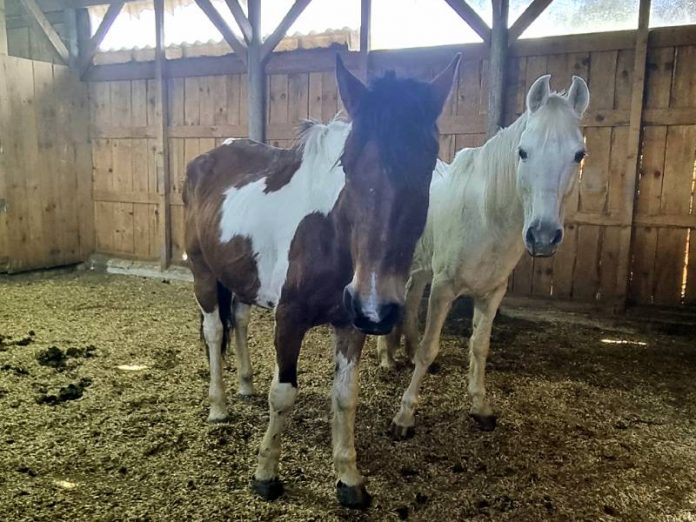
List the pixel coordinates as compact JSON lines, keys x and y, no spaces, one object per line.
{"x":226,"y":304}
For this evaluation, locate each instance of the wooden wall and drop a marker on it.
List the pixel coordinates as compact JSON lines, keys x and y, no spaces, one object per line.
{"x":203,"y":110}
{"x":46,"y":214}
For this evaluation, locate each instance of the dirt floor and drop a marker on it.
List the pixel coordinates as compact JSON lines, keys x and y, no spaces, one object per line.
{"x":587,"y":430}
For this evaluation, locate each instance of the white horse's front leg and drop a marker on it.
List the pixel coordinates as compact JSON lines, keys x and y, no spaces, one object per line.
{"x":479,"y":346}
{"x":241,"y":346}
{"x":441,"y":297}
{"x":350,"y":489}
{"x":388,"y":344}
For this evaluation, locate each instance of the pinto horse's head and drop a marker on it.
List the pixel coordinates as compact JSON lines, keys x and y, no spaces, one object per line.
{"x":550,"y":151}
{"x":388,"y":161}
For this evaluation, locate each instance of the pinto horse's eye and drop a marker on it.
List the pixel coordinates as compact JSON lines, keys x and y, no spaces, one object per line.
{"x":579,"y":156}
{"x":523,"y":154}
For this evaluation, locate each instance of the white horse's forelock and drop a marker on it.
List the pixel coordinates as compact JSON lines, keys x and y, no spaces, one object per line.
{"x":323,"y":140}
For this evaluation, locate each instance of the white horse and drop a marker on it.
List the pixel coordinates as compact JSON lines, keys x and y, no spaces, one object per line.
{"x":490,"y":204}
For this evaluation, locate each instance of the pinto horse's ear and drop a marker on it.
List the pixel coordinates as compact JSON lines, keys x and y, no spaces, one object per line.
{"x":442,"y":84}
{"x":539,"y":93}
{"x":350,"y":88}
{"x":578,"y":95}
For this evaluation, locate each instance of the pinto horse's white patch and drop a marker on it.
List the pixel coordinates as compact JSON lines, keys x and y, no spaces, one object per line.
{"x":271,"y":219}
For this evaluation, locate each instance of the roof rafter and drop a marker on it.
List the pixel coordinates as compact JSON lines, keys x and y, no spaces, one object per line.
{"x":527,"y":18}
{"x":214,"y":16}
{"x":111,"y":13}
{"x":38,"y":19}
{"x":471,"y":17}
{"x":274,"y":39}
{"x":241,"y":18}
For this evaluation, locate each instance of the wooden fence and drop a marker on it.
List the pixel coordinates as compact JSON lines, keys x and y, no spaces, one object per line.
{"x":46,"y":215}
{"x":204,"y":108}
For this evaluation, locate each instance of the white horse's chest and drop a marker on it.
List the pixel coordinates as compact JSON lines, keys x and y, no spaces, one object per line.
{"x":270,"y":221}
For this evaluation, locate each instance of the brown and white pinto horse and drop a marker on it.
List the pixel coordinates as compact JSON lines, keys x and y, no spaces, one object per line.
{"x":323,"y":233}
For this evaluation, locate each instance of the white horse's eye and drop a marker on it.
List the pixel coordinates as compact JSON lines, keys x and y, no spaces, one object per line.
{"x":523,"y":154}
{"x":579,"y":156}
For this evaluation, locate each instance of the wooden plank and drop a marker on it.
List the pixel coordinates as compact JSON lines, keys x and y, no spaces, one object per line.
{"x":213,"y":15}
{"x":659,"y":72}
{"x":277,"y":99}
{"x":298,"y":98}
{"x":329,"y":96}
{"x":45,"y":190}
{"x":5,"y":162}
{"x":642,"y":281}
{"x":471,"y":17}
{"x":217,"y":93}
{"x":684,"y":86}
{"x":586,"y":274}
{"x":690,"y":290}
{"x":93,"y":44}
{"x":564,"y":263}
{"x":594,"y":183}
{"x":274,"y":38}
{"x":315,"y":80}
{"x":625,"y":70}
{"x":39,"y":20}
{"x":233,"y":99}
{"x":162,"y":140}
{"x":527,"y":18}
{"x":609,"y":263}
{"x":669,"y":265}
{"x":602,"y":80}
{"x":680,"y":155}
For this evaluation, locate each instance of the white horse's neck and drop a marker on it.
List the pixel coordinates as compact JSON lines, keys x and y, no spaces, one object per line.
{"x":488,"y":175}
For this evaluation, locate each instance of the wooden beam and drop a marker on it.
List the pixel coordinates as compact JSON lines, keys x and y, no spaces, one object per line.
{"x":213,"y":15}
{"x":256,"y":76}
{"x":240,"y":17}
{"x":365,"y":36}
{"x":527,"y":18}
{"x":162,"y":153}
{"x":277,"y":35}
{"x":93,"y":44}
{"x":70,"y":22}
{"x":39,"y":21}
{"x":633,"y":152}
{"x":471,"y":17}
{"x":3,"y":30}
{"x":498,"y":59}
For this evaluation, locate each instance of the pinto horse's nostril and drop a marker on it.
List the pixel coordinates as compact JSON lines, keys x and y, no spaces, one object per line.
{"x":557,"y":238}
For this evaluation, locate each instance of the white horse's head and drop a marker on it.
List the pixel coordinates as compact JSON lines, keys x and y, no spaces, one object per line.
{"x":550,"y":151}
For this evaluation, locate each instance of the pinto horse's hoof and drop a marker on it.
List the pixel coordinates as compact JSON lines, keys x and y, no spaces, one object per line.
{"x":353,"y":497}
{"x":267,"y":489}
{"x":484,"y":422}
{"x":397,"y":432}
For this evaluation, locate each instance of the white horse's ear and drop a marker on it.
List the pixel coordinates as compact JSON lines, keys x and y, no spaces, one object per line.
{"x":539,"y":93}
{"x":579,"y":95}
{"x":350,"y":88}
{"x":442,"y":84}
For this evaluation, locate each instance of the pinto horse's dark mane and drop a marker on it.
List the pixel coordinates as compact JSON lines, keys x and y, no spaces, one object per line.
{"x":400,"y":114}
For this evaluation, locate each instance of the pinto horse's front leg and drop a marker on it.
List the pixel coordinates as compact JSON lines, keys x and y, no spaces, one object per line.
{"x":350,"y":489}
{"x":281,"y":399}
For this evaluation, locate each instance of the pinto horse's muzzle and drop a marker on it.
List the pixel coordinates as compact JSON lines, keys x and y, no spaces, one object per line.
{"x":371,"y":319}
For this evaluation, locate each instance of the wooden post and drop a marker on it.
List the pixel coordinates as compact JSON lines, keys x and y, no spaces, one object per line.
{"x":256,"y":84}
{"x":162,"y":152}
{"x":3,"y":29}
{"x":498,"y":54}
{"x":365,"y":20}
{"x":633,"y":154}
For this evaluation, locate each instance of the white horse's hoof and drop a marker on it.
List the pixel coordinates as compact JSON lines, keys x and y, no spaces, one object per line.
{"x":218,"y":415}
